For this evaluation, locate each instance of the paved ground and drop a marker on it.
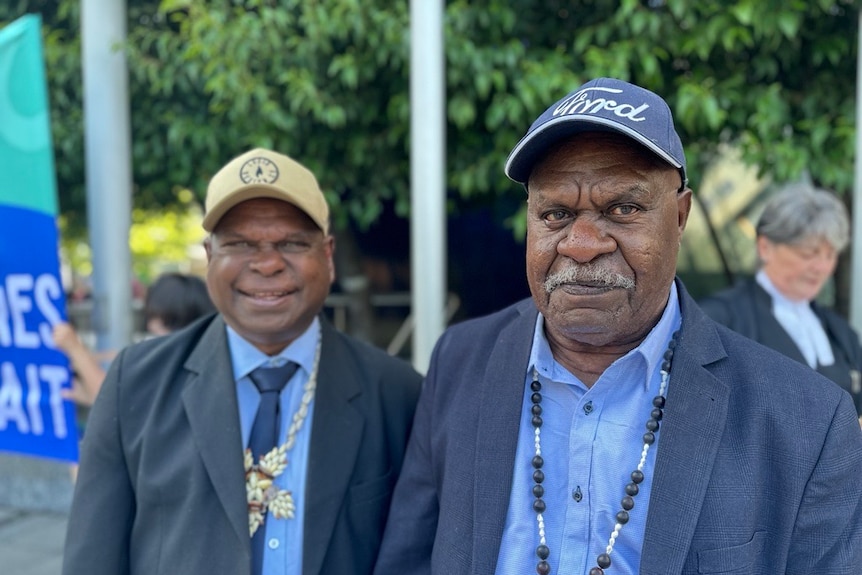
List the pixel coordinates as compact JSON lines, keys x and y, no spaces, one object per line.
{"x":35,"y":495}
{"x":31,"y":542}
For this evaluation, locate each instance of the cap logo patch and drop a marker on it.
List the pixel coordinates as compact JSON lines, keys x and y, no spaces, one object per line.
{"x":258,"y":171}
{"x":581,"y":102}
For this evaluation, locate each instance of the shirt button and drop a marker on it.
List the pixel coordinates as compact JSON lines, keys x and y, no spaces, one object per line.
{"x":273,"y":543}
{"x":588,"y":408}
{"x":577,"y":495}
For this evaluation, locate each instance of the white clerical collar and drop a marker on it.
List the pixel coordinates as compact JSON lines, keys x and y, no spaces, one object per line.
{"x":801,"y":324}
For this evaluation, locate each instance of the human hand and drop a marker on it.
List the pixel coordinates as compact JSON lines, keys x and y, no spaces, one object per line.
{"x":66,"y":338}
{"x":85,"y":365}
{"x":78,"y":394}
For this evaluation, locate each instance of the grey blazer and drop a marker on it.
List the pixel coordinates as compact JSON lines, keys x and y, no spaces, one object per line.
{"x":161,"y":486}
{"x":758,"y":468}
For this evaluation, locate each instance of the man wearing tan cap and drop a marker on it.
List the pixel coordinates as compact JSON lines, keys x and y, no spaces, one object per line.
{"x":259,"y":440}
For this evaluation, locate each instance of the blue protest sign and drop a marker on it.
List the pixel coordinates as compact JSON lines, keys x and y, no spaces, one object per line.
{"x":34,"y":418}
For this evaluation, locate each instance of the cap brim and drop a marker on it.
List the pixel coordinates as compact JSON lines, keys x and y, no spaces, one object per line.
{"x":249,"y":192}
{"x":534,"y":145}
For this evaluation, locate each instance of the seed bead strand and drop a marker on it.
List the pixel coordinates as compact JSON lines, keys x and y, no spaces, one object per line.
{"x":542,"y":550}
{"x":603,"y":561}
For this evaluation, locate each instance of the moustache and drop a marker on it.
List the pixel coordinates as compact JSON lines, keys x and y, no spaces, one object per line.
{"x":587,"y":275}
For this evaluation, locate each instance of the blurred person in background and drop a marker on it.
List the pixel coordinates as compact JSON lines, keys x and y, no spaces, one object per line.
{"x":86,"y":365}
{"x":172,"y":302}
{"x":800,"y":234}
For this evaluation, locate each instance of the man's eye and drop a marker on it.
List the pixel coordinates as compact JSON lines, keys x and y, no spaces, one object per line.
{"x":236,"y":246}
{"x":556,"y":215}
{"x":624,"y":210}
{"x":293,"y":246}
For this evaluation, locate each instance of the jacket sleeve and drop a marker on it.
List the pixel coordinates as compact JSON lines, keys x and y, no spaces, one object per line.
{"x":103,"y":506}
{"x":408,"y":539}
{"x":827,"y":536}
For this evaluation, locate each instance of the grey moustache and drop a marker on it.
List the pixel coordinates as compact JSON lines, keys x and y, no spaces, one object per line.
{"x":587,"y":275}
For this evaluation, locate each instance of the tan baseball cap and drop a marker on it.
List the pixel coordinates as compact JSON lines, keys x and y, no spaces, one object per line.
{"x":262,"y":173}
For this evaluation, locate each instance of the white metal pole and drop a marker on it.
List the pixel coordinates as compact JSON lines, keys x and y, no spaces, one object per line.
{"x":427,"y":177}
{"x":856,"y":246}
{"x":107,"y":137}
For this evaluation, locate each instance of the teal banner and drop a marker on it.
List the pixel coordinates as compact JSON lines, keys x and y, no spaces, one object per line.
{"x":34,"y":417}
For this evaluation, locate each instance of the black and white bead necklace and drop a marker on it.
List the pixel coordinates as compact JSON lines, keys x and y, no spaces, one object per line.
{"x":603,"y":561}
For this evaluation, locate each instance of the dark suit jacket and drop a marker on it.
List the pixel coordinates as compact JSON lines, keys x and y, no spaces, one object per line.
{"x":747,"y":309}
{"x":161,"y":487}
{"x":757,"y":471}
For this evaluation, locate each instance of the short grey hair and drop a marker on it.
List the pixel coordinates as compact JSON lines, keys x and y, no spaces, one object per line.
{"x":801,"y":212}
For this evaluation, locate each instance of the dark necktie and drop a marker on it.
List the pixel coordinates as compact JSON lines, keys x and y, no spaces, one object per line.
{"x":264,"y":433}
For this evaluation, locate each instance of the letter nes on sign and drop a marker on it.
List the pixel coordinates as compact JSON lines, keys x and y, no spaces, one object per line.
{"x":34,"y":418}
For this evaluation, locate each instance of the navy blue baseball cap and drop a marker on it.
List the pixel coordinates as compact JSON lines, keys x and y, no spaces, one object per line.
{"x":603,"y":105}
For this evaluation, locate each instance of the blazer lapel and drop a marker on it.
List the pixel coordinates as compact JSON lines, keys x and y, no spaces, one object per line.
{"x":770,"y":332}
{"x":502,"y":395}
{"x":688,"y":443}
{"x":213,"y":412}
{"x":335,"y":437}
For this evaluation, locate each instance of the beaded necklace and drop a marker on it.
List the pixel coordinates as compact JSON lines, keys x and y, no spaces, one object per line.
{"x":603,"y":561}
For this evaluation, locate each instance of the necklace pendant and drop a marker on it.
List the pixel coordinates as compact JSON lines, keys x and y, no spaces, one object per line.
{"x":262,"y":494}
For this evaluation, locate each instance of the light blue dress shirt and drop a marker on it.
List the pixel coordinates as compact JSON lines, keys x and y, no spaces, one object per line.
{"x":283,"y":543}
{"x":592,"y":440}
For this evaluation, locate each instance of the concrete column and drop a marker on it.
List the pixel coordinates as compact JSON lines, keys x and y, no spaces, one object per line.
{"x":427,"y":177}
{"x":107,"y":135}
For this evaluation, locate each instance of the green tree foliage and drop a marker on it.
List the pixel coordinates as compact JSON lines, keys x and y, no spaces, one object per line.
{"x":327,"y":82}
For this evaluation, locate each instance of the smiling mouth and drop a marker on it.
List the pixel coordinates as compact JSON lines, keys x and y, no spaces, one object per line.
{"x":267,"y":295}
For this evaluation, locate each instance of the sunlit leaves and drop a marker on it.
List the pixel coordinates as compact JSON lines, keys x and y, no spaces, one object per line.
{"x":327,"y":82}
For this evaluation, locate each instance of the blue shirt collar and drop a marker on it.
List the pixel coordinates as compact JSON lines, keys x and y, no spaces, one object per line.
{"x":245,"y":357}
{"x":652,"y":348}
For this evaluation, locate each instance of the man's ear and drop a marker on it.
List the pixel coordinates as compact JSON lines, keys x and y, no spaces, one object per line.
{"x":330,"y":249}
{"x":683,"y":206}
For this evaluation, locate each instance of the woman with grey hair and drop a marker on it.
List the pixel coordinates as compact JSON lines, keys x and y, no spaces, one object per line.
{"x":800,"y":234}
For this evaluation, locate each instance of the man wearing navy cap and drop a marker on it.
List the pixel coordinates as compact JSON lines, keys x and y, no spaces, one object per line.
{"x":606,"y":425}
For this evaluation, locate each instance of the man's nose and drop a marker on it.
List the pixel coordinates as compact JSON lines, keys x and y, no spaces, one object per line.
{"x":586,"y":240}
{"x":267,"y":260}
